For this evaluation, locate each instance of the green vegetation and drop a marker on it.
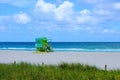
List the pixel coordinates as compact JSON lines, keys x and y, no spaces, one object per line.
{"x":24,"y":71}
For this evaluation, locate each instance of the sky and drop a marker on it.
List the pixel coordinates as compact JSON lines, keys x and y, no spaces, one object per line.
{"x":60,"y":20}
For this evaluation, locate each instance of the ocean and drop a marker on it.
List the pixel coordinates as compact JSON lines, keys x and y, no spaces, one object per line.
{"x":65,"y":46}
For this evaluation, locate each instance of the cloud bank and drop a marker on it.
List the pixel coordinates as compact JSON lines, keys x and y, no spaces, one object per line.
{"x":65,"y":16}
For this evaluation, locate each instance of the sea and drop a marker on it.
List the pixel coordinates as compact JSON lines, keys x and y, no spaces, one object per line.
{"x":65,"y":46}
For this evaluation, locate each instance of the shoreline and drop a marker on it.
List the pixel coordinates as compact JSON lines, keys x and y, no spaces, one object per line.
{"x":98,"y":59}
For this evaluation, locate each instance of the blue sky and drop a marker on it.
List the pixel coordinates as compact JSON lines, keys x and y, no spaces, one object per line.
{"x":60,"y":20}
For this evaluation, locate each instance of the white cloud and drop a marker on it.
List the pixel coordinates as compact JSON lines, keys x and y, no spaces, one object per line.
{"x":85,"y":16}
{"x":44,"y":7}
{"x":63,"y":16}
{"x":64,"y":11}
{"x":106,"y":13}
{"x":85,"y":12}
{"x":108,"y":31}
{"x":21,"y":18}
{"x":117,"y":5}
{"x":102,"y":12}
{"x":84,"y":19}
{"x":109,"y":9}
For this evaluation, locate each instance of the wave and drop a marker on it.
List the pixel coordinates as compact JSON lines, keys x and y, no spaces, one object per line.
{"x":86,"y":50}
{"x":13,"y":48}
{"x":66,"y":49}
{"x":107,"y":50}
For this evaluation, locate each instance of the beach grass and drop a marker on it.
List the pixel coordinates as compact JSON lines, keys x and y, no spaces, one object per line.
{"x":63,"y":71}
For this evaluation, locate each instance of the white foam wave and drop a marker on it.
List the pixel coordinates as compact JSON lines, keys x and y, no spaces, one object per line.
{"x":68,"y":49}
{"x":81,"y":49}
{"x":13,"y":48}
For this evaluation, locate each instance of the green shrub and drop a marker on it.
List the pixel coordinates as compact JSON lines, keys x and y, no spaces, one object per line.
{"x":64,"y":71}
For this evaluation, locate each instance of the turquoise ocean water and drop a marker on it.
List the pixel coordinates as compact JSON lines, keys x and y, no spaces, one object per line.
{"x":65,"y":46}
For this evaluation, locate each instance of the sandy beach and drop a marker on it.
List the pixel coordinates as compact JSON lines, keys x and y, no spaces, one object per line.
{"x":99,"y":59}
